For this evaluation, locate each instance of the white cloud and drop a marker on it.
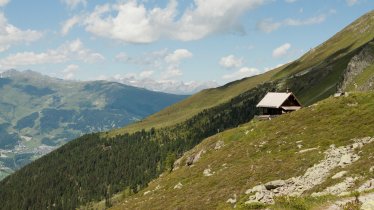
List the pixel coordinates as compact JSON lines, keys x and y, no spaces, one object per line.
{"x":131,"y":22}
{"x":72,"y":4}
{"x":241,"y":73}
{"x":11,"y":35}
{"x":68,"y":51}
{"x":69,"y":24}
{"x":3,"y":2}
{"x":281,"y":50}
{"x":173,"y":63}
{"x":290,"y":1}
{"x":162,"y":60}
{"x":69,"y":71}
{"x":351,"y":2}
{"x":172,"y":72}
{"x":146,"y":74}
{"x":152,"y":59}
{"x":178,"y":55}
{"x":309,"y":21}
{"x":163,"y":85}
{"x":231,"y":61}
{"x":268,"y":25}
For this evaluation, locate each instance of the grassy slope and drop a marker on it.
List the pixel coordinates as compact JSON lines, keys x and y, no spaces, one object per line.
{"x":193,"y":105}
{"x":333,"y":54}
{"x":242,"y":164}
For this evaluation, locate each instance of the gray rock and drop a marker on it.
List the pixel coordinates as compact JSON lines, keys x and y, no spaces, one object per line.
{"x":178,"y":186}
{"x":339,"y":175}
{"x":189,"y":161}
{"x":339,"y":188}
{"x":219,"y":145}
{"x":368,"y":185}
{"x":355,"y":67}
{"x":347,"y":159}
{"x":207,"y":172}
{"x":315,"y":175}
{"x":257,"y":188}
{"x":232,"y":200}
{"x":194,"y":158}
{"x":274,"y":184}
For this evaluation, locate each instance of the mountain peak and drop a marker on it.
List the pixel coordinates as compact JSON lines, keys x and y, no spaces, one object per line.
{"x":17,"y":73}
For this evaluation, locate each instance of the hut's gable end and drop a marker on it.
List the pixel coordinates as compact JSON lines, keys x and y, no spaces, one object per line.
{"x":291,"y":101}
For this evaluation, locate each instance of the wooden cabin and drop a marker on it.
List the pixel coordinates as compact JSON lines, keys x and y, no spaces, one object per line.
{"x":275,"y":103}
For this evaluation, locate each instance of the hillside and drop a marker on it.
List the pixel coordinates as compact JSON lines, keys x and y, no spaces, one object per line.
{"x":100,"y":165}
{"x":314,"y":76}
{"x":40,"y":113}
{"x":230,"y":163}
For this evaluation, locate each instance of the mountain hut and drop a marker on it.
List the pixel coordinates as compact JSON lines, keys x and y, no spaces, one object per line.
{"x":277,"y":103}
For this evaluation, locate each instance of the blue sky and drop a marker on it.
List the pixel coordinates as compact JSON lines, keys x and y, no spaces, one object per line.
{"x":168,"y":45}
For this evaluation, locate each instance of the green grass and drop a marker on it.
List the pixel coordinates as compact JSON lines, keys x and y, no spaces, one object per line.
{"x":332,"y":121}
{"x":301,"y":203}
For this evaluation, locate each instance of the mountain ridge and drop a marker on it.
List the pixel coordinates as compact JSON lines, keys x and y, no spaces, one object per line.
{"x":39,"y":113}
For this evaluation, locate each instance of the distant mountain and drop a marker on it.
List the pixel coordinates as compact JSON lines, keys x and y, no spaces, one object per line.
{"x":97,"y":166}
{"x":167,"y":86}
{"x":39,"y":113}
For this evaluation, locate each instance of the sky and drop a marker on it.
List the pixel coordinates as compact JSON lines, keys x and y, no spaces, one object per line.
{"x":166,"y":45}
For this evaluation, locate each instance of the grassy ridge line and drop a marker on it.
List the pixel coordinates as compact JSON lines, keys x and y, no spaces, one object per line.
{"x":347,"y":40}
{"x":242,"y":163}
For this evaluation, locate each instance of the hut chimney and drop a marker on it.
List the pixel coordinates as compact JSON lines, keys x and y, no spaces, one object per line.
{"x":288,"y":90}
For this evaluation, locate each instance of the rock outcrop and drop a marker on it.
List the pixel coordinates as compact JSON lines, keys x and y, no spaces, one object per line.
{"x":194,"y":158}
{"x":296,"y":186}
{"x":356,"y":66}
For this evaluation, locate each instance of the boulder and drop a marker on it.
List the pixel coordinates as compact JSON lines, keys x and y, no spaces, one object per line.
{"x":219,"y":145}
{"x":257,"y":188}
{"x":207,"y":172}
{"x":189,"y":161}
{"x":368,"y":185}
{"x":194,"y":158}
{"x":232,"y":200}
{"x":178,"y":186}
{"x":339,"y":175}
{"x":274,"y":184}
